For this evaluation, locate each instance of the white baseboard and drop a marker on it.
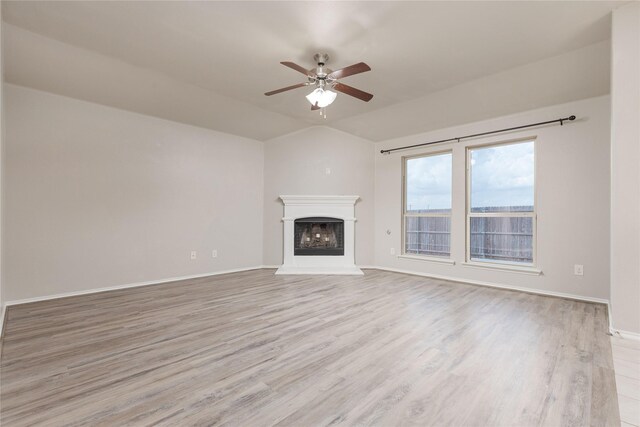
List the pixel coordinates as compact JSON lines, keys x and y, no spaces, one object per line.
{"x":496,"y":285}
{"x":3,"y":311}
{"x":633,"y":336}
{"x":610,"y":315}
{"x":128,"y":285}
{"x":269,"y":267}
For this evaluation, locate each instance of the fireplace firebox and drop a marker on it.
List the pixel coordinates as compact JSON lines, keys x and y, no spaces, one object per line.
{"x":318,"y":236}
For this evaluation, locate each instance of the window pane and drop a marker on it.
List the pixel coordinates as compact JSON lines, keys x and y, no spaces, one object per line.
{"x":502,"y":178}
{"x":502,"y":238}
{"x":428,"y":236}
{"x":429,"y":184}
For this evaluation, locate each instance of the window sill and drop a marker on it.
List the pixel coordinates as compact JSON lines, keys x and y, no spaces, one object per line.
{"x":428,"y":258}
{"x":505,"y":267}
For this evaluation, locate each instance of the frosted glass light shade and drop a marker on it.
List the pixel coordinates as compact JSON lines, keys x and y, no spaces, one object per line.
{"x":322,"y":97}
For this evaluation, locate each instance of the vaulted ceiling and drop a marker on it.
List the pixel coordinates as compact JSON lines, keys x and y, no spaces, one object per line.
{"x":209,"y":63}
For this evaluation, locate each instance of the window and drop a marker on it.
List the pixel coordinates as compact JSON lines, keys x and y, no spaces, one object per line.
{"x":427,"y":205}
{"x":500,"y":207}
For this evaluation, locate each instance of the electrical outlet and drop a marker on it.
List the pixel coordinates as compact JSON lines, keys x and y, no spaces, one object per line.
{"x":578,"y":270}
{"x":194,"y":254}
{"x":393,"y":251}
{"x":214,"y":253}
{"x":327,"y":171}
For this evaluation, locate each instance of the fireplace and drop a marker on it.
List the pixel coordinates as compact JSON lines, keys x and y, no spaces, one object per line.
{"x":318,"y":236}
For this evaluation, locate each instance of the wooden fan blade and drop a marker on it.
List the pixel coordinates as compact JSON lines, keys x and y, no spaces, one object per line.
{"x":284,"y":89}
{"x":358,"y":68}
{"x":357,"y":93}
{"x":315,"y":107}
{"x":298,"y":68}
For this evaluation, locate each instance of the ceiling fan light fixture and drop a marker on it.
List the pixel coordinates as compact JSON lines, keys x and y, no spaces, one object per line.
{"x":323,"y":79}
{"x":321,"y":97}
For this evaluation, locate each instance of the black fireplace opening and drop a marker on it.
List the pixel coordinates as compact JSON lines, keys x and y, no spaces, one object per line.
{"x":318,"y":236}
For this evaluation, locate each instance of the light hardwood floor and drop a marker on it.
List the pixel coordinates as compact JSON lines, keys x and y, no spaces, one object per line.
{"x":257,"y":349}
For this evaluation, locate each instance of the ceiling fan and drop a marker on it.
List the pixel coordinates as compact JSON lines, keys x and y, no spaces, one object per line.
{"x":324,"y":79}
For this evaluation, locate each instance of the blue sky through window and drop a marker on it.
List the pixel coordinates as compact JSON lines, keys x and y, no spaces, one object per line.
{"x":429,"y":182}
{"x":502,"y":176}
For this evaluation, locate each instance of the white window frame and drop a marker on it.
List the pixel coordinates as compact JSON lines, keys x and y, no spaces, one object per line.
{"x":403,"y":252}
{"x":491,"y":263}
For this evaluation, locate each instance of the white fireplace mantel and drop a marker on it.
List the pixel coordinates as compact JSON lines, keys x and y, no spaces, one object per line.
{"x":342,"y":207}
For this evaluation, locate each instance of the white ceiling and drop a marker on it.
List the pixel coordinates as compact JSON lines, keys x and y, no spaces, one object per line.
{"x":233,"y":49}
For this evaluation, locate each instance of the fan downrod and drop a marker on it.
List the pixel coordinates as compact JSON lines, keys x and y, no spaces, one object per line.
{"x":321,"y":58}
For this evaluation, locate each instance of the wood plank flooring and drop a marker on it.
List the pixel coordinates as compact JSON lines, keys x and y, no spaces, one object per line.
{"x":257,"y":349}
{"x":626,"y":361}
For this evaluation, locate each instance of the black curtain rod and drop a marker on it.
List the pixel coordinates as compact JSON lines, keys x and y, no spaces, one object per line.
{"x":406,"y":147}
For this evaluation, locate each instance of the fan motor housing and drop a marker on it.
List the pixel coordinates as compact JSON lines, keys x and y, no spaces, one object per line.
{"x":321,"y":58}
{"x":321,"y":71}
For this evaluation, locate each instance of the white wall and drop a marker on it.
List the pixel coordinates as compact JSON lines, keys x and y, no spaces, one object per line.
{"x":572,"y":200}
{"x":296,"y":164}
{"x":98,"y":197}
{"x":625,"y":161}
